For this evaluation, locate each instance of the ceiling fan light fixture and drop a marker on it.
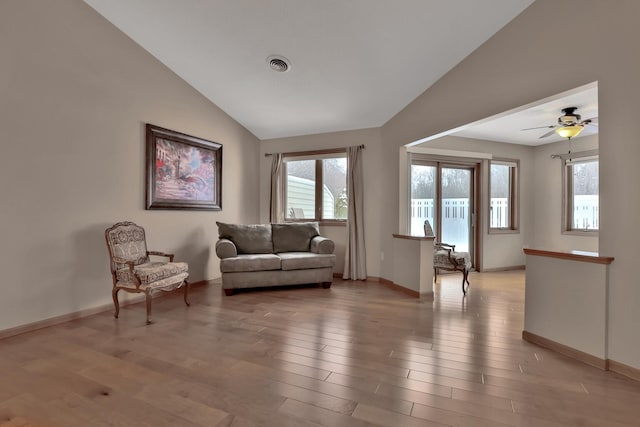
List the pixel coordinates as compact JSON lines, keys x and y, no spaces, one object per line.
{"x":569,"y":117}
{"x":569,"y":131}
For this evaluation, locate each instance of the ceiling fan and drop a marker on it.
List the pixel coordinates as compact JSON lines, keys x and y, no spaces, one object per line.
{"x":569,"y":124}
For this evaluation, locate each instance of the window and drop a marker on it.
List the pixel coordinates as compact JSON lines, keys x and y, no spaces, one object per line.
{"x":316,"y":187}
{"x":581,"y":201}
{"x":503,"y":196}
{"x":443,"y":192}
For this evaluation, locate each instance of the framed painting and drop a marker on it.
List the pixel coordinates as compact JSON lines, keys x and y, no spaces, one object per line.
{"x":183,"y":171}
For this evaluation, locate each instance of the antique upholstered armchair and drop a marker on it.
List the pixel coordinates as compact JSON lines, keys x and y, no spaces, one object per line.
{"x":445,"y":257}
{"x":133,"y":271}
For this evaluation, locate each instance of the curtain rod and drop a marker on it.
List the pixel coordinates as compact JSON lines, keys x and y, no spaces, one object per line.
{"x":303,"y":153}
{"x":575,"y":154}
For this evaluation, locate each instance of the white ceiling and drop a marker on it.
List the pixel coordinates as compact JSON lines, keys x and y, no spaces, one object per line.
{"x":355,"y":63}
{"x":508,"y":126}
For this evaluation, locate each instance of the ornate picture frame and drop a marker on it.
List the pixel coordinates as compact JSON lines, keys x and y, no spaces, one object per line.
{"x":182,"y":171}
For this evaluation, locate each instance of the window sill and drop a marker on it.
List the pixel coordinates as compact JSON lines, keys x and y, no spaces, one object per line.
{"x":504,"y":231}
{"x":593,"y":233}
{"x":334,"y":223}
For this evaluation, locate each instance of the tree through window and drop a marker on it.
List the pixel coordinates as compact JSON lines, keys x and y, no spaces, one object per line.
{"x":316,"y":188}
{"x":503,"y":195}
{"x":582,"y":194}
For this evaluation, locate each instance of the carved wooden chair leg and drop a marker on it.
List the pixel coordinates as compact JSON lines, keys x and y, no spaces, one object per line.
{"x":435,"y":273}
{"x":148,"y":294}
{"x":465,"y":278}
{"x":186,"y":293}
{"x":116,"y":304}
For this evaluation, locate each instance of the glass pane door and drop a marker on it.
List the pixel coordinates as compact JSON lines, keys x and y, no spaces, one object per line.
{"x":423,"y":198}
{"x":444,"y":195}
{"x":456,"y":207}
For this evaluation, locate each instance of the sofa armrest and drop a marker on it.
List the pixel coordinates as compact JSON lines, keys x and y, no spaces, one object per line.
{"x":225,"y":248}
{"x":322,"y":245}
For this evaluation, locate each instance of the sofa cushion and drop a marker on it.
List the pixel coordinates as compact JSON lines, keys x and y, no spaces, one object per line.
{"x":257,"y":262}
{"x":293,"y":237}
{"x":304,"y":260}
{"x":249,"y":239}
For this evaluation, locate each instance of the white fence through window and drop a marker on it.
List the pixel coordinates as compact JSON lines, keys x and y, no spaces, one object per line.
{"x":455,"y":215}
{"x":585,"y":212}
{"x":499,"y":213}
{"x":455,"y":220}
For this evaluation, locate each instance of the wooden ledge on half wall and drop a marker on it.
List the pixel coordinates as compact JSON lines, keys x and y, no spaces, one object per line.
{"x":571,"y":255}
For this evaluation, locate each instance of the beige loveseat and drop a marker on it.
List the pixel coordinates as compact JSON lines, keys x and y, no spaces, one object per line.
{"x":262,"y":255}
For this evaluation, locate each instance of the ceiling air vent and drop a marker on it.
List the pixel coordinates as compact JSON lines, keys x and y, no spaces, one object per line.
{"x":279,"y":63}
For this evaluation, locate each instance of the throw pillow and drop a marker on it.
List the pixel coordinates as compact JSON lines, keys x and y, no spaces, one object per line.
{"x":249,"y":239}
{"x":294,"y":237}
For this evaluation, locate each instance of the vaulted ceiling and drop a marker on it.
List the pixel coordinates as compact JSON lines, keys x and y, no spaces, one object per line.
{"x":354,"y":63}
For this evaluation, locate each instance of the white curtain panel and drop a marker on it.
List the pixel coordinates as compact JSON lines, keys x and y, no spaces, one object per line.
{"x":355,"y":259}
{"x":277,"y":188}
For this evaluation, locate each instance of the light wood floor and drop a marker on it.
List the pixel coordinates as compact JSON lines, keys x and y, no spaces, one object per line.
{"x":358,"y":354}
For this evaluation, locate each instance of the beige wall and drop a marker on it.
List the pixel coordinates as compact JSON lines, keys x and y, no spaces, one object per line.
{"x":547,"y":198}
{"x":373,"y":196}
{"x":75,"y":94}
{"x":526,"y":61}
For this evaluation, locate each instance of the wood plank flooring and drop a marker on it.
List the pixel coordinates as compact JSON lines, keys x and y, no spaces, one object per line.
{"x":359,"y":354}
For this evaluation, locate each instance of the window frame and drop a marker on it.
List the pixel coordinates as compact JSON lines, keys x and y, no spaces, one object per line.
{"x":318,"y":156}
{"x":567,"y":192}
{"x":514,"y":196}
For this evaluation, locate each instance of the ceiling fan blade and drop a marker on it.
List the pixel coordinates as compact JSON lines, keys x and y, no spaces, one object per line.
{"x":540,"y":127}
{"x":551,"y":132}
{"x":591,"y":122}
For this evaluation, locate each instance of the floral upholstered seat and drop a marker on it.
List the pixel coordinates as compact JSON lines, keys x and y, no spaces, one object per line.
{"x":133,"y":271}
{"x":445,"y":257}
{"x":156,"y":274}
